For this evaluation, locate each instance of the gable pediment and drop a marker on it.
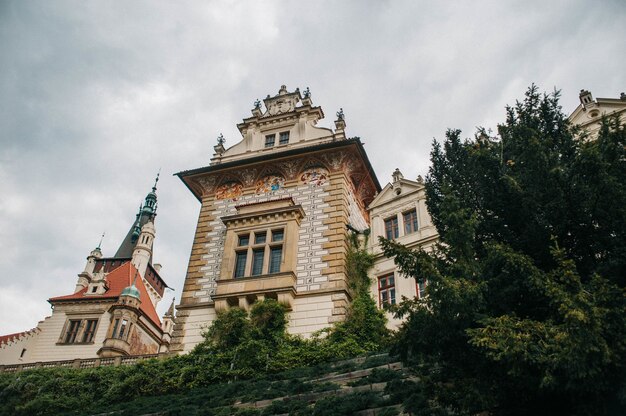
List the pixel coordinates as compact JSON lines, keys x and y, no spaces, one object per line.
{"x":395,"y":191}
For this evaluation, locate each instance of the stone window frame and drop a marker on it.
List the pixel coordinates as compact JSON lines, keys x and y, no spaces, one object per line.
{"x":251,"y":247}
{"x":80,"y":330}
{"x":262,"y":217}
{"x":388,"y":232}
{"x":270,"y":140}
{"x":410,"y":227}
{"x":121,"y":332}
{"x":281,"y":136}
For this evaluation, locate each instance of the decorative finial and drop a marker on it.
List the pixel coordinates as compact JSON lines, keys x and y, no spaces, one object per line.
{"x":340,"y":115}
{"x":283,"y":90}
{"x":100,"y":243}
{"x":156,"y":180}
{"x":221,"y":140}
{"x":420,"y":180}
{"x":307,"y":93}
{"x":397,"y":175}
{"x":257,"y":104}
{"x":170,"y":310}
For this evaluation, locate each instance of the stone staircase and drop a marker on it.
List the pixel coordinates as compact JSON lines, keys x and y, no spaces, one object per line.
{"x":351,"y":387}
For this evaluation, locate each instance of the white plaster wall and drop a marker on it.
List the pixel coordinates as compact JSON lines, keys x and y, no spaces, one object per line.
{"x":405,"y":286}
{"x":10,"y":353}
{"x":46,"y":348}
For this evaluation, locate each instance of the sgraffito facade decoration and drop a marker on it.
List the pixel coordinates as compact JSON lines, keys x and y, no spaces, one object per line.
{"x":270,"y":183}
{"x":316,"y":176}
{"x":230,"y":190}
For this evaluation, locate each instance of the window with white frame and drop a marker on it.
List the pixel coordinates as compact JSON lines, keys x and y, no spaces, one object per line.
{"x":387,"y":290}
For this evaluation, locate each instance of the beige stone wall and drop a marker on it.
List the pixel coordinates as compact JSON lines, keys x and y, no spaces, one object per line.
{"x":320,"y":256}
{"x":192,"y":323}
{"x":310,"y":314}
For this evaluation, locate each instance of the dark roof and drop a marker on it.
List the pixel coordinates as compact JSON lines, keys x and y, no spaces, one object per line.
{"x":128,"y":245}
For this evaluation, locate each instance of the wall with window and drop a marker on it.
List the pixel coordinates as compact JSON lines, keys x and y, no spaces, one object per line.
{"x":398,"y":213}
{"x":70,"y":332}
{"x":19,"y":349}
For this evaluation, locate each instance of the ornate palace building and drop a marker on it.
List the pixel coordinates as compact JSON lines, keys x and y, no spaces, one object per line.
{"x":275,"y":211}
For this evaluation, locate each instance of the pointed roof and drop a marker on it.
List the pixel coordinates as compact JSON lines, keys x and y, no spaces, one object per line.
{"x":117,"y":280}
{"x":147,"y":212}
{"x":170,"y":310}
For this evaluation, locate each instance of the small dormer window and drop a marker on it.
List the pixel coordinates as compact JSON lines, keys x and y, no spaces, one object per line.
{"x":284,"y":137}
{"x":270,"y":139}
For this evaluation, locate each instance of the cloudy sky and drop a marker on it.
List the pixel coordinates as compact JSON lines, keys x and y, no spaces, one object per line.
{"x":97,"y":96}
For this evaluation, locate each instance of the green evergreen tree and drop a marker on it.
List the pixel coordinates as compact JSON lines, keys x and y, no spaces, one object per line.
{"x":526,"y":309}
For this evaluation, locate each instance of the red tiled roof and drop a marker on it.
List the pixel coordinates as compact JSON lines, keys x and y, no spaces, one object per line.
{"x":118,"y":279}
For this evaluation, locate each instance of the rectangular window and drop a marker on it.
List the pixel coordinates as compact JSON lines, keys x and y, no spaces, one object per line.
{"x":387,"y":290}
{"x":391,"y":228}
{"x":259,"y":238}
{"x":284,"y":138}
{"x":421,"y":289}
{"x":276,"y":254}
{"x":90,"y":329}
{"x":257,"y":261}
{"x":269,"y":140}
{"x":244,"y":240}
{"x":240,"y":263}
{"x":277,"y":235}
{"x":410,"y":221}
{"x":72,"y":331}
{"x":123,"y":326}
{"x":115,"y":325}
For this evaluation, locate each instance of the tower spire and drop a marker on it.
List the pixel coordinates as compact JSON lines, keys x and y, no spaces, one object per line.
{"x":146,"y":213}
{"x":100,"y":243}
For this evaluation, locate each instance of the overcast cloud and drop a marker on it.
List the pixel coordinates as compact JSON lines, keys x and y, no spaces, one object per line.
{"x":96,"y":96}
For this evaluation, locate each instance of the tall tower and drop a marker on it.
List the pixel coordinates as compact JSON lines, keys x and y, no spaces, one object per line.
{"x":275,"y":210}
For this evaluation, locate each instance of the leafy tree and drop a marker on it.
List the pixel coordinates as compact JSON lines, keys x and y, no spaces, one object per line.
{"x":525,"y":312}
{"x":230,"y":329}
{"x":269,"y":319}
{"x":364,"y":323}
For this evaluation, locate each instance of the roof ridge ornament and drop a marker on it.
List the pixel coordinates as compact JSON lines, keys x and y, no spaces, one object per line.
{"x":340,"y":125}
{"x":283,"y":102}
